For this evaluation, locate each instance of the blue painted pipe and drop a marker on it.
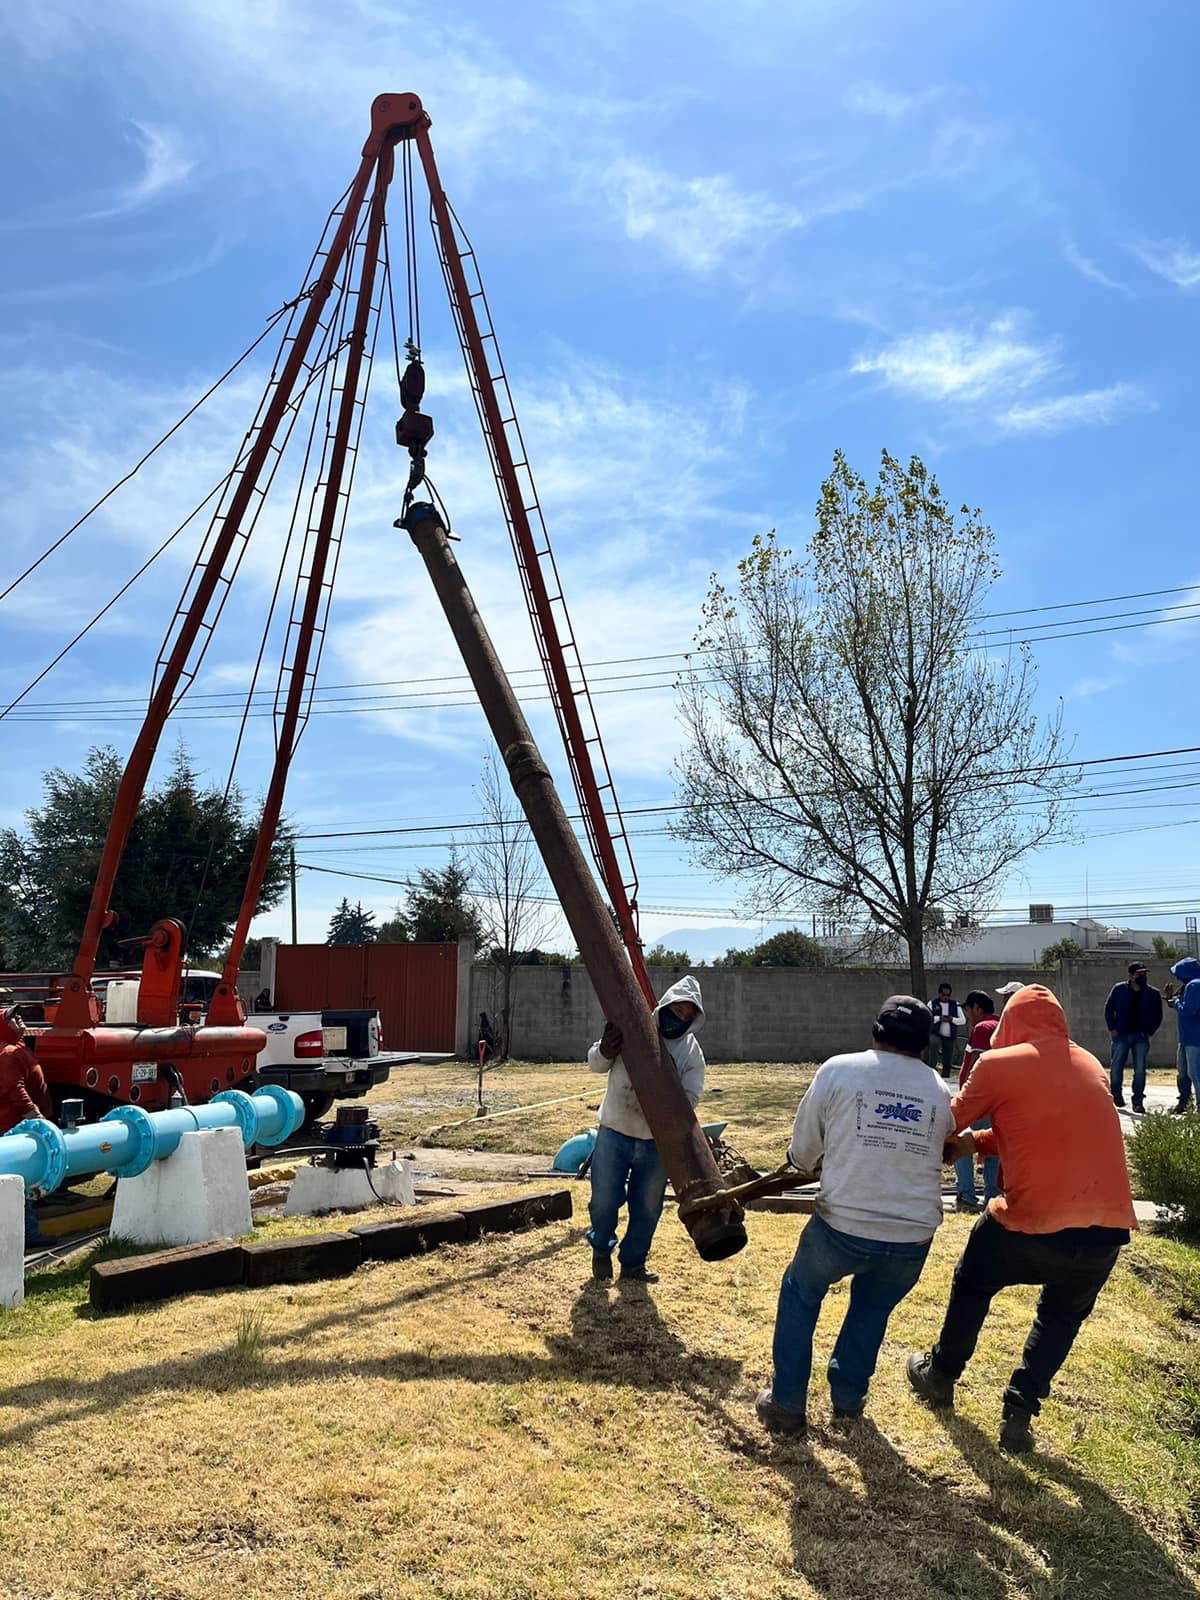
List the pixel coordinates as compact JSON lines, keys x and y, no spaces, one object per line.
{"x":128,"y":1139}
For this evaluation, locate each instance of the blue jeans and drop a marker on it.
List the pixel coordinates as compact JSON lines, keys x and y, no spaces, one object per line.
{"x":1123,"y":1046}
{"x":31,"y":1221}
{"x":964,"y":1171}
{"x":883,"y":1273}
{"x":1187,"y":1073}
{"x":625,"y":1171}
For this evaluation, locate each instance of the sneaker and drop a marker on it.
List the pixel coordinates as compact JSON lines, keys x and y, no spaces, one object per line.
{"x":637,"y":1275}
{"x":932,"y":1386}
{"x":1016,"y":1431}
{"x":965,"y":1202}
{"x":777,"y":1419}
{"x":1120,"y":1104}
{"x":601,"y":1266}
{"x":1181,"y":1109}
{"x":1139,"y":1111}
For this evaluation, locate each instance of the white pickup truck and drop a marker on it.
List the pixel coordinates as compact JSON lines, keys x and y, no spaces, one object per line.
{"x":323,"y":1055}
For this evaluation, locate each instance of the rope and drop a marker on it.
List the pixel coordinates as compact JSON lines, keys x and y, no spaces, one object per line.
{"x":190,"y":412}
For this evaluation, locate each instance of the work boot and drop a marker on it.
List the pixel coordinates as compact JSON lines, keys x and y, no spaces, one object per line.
{"x":777,"y":1419}
{"x":1180,"y":1109}
{"x":638,"y":1275}
{"x":1016,"y":1431}
{"x":1120,"y":1104}
{"x":1138,"y":1110}
{"x":848,"y":1413}
{"x":601,"y":1266}
{"x":964,"y":1202}
{"x":930,"y":1385}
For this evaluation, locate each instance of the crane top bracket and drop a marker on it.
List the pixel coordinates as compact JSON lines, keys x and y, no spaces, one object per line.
{"x":394,"y":117}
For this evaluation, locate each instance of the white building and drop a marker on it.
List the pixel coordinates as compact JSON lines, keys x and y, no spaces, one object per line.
{"x":1021,"y":944}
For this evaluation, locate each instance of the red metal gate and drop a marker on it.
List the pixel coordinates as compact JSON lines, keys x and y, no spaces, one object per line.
{"x":412,"y":986}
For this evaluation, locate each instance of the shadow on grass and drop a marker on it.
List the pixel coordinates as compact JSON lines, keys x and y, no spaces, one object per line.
{"x":1036,"y":1528}
{"x":615,"y":1337}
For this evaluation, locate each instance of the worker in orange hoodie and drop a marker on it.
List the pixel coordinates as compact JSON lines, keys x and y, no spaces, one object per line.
{"x":23,"y":1094}
{"x":1065,"y":1212}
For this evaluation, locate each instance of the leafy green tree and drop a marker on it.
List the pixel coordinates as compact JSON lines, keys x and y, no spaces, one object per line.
{"x":187,"y":857}
{"x":350,"y":924}
{"x":1062,"y":950}
{"x":660,"y":956}
{"x":439,"y":907}
{"x":1164,"y":950}
{"x":395,"y":930}
{"x":791,"y":948}
{"x":852,"y":750}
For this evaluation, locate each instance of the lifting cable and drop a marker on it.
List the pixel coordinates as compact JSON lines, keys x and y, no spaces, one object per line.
{"x":288,"y":309}
{"x":324,"y":374}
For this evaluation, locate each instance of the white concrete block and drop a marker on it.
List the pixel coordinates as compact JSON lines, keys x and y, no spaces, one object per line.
{"x":316,"y":1190}
{"x":12,"y":1241}
{"x":199,"y":1193}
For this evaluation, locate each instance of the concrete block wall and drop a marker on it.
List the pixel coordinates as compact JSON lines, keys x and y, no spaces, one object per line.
{"x":782,"y":1014}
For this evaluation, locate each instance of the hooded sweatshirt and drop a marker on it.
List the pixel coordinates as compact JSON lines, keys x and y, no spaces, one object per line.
{"x":620,"y":1109}
{"x":1186,"y":1006}
{"x":1054,"y":1125}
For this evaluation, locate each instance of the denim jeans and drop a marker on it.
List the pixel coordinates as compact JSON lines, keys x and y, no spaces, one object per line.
{"x":1071,"y":1274}
{"x":1187,"y":1073}
{"x":882,"y":1273}
{"x":625,"y":1171}
{"x":964,"y":1171}
{"x":1183,"y":1079}
{"x":1124,"y":1045}
{"x":31,"y":1221}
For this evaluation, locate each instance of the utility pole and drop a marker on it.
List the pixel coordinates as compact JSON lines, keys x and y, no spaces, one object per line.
{"x":292,"y":869}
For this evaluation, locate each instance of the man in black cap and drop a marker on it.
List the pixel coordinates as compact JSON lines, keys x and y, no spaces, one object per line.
{"x":875,"y":1124}
{"x":1133,"y":1014}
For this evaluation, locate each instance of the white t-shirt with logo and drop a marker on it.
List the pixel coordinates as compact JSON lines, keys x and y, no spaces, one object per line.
{"x":877,"y":1121}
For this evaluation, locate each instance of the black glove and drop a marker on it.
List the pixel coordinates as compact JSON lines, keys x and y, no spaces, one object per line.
{"x":610,"y":1041}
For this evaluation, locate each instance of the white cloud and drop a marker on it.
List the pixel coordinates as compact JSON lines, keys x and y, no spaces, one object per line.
{"x":1091,"y":409}
{"x":164,"y":167}
{"x":1172,"y":259}
{"x":873,"y":100}
{"x":960,"y":365}
{"x":1088,"y":688}
{"x":1087,"y":268}
{"x":698,"y":222}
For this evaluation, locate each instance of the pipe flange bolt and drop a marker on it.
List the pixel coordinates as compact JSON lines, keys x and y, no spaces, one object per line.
{"x":290,"y":1110}
{"x":141,"y":1138}
{"x":52,"y":1149}
{"x":243,"y":1110}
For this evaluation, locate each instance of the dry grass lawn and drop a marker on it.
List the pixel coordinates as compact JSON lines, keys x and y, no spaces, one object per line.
{"x":757,"y":1099}
{"x":486,"y":1424}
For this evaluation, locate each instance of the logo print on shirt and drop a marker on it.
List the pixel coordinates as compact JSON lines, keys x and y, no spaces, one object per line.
{"x":898,"y":1111}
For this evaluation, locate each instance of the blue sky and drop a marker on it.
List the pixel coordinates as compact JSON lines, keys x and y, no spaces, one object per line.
{"x":720,"y":241}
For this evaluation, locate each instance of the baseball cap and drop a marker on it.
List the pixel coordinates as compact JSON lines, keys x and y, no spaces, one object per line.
{"x":1009,"y":989}
{"x":905,"y":1021}
{"x":1137,"y":966}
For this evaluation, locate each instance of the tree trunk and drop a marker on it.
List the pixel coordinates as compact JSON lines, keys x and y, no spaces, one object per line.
{"x":916,"y":963}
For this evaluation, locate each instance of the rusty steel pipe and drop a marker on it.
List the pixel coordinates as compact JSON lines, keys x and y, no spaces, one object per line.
{"x":717,"y":1231}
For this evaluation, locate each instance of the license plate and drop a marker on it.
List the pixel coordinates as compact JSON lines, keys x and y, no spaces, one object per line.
{"x":145,"y":1072}
{"x":334,"y":1039}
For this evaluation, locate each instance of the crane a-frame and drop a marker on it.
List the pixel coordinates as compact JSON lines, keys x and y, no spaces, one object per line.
{"x":329,"y":338}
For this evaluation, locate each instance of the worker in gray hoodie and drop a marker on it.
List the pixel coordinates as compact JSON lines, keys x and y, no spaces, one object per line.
{"x":875,"y":1124}
{"x":626,"y":1168}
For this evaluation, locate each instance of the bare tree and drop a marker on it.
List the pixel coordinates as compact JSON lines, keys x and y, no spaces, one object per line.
{"x":507,"y":874}
{"x":859,"y":745}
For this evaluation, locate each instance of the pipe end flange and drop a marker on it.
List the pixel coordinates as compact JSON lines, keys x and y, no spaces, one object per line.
{"x":243,"y":1107}
{"x":290,"y":1110}
{"x":52,"y":1147}
{"x":142,"y":1133}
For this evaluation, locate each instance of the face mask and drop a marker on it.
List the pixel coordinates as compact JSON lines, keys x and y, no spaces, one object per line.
{"x":670,"y":1025}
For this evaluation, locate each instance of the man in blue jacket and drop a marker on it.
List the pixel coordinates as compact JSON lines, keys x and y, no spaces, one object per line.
{"x":1133,"y":1014}
{"x":1186,"y":1006}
